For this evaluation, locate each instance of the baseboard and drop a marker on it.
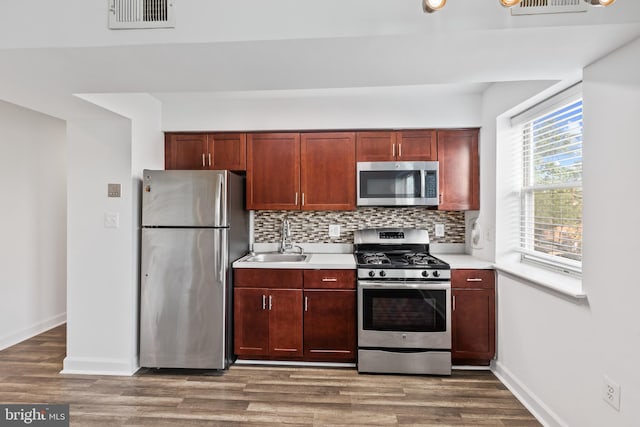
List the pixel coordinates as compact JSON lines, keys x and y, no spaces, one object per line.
{"x":530,"y":400}
{"x":30,"y":332}
{"x":98,"y":366}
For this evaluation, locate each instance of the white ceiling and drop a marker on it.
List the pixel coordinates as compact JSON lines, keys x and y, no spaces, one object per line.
{"x":294,"y":46}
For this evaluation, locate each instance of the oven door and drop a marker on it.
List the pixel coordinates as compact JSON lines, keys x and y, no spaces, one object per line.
{"x":411,"y":315}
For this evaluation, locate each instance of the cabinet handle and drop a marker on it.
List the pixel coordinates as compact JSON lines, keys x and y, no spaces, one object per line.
{"x":473,"y":279}
{"x":203,"y":165}
{"x":329,"y":279}
{"x":302,"y":199}
{"x":306,"y":303}
{"x":454,"y":303}
{"x":400,"y":150}
{"x":296,"y":202}
{"x":269,"y":302}
{"x":209,"y":159}
{"x":393,"y":152}
{"x":264,"y":302}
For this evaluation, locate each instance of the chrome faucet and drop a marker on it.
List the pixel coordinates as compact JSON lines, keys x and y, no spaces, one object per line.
{"x":285,"y":237}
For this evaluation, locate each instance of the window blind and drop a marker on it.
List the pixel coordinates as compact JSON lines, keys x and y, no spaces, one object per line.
{"x":551,"y":191}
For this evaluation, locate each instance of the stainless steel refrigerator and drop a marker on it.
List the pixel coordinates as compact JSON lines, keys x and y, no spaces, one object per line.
{"x":193,"y":226}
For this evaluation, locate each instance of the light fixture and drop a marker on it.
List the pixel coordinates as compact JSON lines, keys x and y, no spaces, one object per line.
{"x":431,"y":6}
{"x":509,"y":3}
{"x":600,"y":2}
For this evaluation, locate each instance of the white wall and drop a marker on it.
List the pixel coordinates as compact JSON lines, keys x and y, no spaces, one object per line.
{"x":554,"y":350}
{"x":411,"y":107}
{"x":32,"y":223}
{"x":496,"y":100}
{"x":103,"y":268}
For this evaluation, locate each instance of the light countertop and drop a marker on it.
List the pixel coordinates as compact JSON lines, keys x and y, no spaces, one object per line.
{"x":463,"y":261}
{"x":315,"y":261}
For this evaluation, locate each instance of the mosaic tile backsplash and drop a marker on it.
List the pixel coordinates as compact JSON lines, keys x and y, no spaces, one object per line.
{"x":313,"y":226}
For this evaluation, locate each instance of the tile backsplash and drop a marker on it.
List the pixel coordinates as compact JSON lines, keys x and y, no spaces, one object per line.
{"x":313,"y":226}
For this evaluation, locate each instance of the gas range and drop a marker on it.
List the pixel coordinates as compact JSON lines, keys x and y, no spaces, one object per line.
{"x":397,"y":253}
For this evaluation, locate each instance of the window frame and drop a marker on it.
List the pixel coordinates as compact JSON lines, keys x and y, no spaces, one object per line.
{"x":522,"y":124}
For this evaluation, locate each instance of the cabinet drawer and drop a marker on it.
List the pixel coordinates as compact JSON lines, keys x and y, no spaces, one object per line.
{"x":267,"y":278}
{"x":329,"y":279}
{"x":473,"y":279}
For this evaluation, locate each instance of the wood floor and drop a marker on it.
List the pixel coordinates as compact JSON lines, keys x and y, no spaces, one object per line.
{"x":254,"y":396}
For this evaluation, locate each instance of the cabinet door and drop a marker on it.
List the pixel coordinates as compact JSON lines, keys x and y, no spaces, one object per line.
{"x":285,"y":323}
{"x":473,"y":325}
{"x":459,"y":170}
{"x":417,"y":145}
{"x":229,"y":151}
{"x":251,"y":322}
{"x":330,"y":325}
{"x":375,"y":146}
{"x":328,"y":177}
{"x":185,"y":151}
{"x":273,"y":171}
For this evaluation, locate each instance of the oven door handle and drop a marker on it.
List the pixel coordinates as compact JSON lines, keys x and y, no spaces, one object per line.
{"x":404,"y":285}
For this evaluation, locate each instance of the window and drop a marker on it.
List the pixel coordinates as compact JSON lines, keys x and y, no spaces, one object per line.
{"x":551,"y":187}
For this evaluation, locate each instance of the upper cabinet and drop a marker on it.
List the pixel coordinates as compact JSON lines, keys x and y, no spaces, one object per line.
{"x":459,"y":170}
{"x":405,"y":145}
{"x":308,"y":171}
{"x":273,"y":171}
{"x":205,"y":151}
{"x":328,"y":173}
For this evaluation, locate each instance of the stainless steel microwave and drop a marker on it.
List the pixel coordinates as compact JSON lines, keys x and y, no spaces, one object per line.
{"x":397,"y":183}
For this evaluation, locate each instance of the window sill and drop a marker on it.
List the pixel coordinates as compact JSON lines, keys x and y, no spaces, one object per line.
{"x":560,"y":283}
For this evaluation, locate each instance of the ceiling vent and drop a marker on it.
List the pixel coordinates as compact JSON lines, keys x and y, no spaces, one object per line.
{"x":131,"y":14}
{"x":537,"y":7}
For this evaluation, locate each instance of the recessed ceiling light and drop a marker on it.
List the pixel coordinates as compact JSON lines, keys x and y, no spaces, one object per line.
{"x":430,"y":6}
{"x":509,"y":3}
{"x":600,"y":2}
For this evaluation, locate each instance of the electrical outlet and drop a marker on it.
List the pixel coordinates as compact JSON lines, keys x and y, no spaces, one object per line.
{"x":611,"y":393}
{"x":439,"y":230}
{"x":334,"y":230}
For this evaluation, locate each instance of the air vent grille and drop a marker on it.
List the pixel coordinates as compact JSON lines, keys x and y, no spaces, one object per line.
{"x":131,"y":14}
{"x":536,"y":7}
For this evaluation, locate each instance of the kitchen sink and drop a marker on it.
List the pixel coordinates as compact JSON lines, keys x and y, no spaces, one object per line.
{"x":276,"y":257}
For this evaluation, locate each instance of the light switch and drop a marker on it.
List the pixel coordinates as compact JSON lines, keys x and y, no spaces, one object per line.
{"x":334,"y":230}
{"x":111,"y":220}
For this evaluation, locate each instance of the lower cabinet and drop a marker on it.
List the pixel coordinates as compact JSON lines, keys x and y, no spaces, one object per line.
{"x":275,"y":318}
{"x":330,"y":316}
{"x":473,"y":317}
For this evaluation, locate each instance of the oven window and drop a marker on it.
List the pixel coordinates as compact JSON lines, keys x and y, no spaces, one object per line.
{"x":381,"y":184}
{"x":404,"y":310}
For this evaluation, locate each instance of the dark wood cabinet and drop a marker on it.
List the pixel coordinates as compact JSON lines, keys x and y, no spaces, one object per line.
{"x":473,"y":317}
{"x":330,"y":316}
{"x":229,"y":151}
{"x":459,"y":169}
{"x":274,"y":318}
{"x":406,"y":145}
{"x":205,"y":151}
{"x":309,"y":171}
{"x":268,"y":314}
{"x":273,"y":171}
{"x":185,"y":151}
{"x":328,"y":172}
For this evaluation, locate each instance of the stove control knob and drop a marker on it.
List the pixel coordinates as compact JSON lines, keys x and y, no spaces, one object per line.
{"x":436,"y":273}
{"x":425,"y":274}
{"x":372,"y":273}
{"x":382,"y":273}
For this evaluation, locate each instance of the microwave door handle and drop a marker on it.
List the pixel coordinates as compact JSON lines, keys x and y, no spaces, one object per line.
{"x":423,"y":184}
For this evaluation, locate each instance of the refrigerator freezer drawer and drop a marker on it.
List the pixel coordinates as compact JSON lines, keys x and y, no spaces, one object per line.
{"x":183,"y":294}
{"x":183,"y":198}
